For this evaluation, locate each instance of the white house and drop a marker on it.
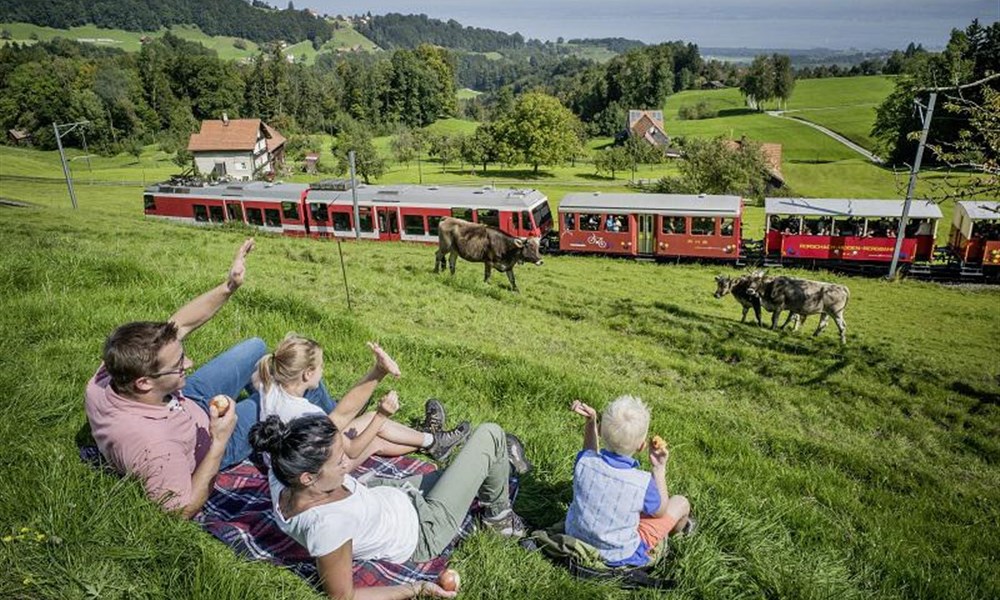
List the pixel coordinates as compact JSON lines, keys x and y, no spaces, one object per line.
{"x":243,"y":149}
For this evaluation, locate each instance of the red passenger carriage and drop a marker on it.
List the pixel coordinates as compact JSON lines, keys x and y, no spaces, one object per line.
{"x":975,"y":233}
{"x":834,"y":230}
{"x":651,"y":225}
{"x":326,"y":210}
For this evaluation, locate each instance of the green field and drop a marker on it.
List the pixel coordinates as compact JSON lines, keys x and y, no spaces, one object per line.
{"x":816,"y":471}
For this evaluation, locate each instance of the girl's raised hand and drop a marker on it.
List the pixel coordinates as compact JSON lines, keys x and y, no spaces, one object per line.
{"x":383,"y":361}
{"x":389,"y":404}
{"x":583,"y":409}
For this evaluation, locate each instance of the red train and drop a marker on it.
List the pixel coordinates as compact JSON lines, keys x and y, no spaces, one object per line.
{"x":326,"y":209}
{"x":816,"y":232}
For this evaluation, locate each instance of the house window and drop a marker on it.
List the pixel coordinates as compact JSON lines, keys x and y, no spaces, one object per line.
{"x":272,"y":217}
{"x":413,"y":224}
{"x":200,"y":212}
{"x":674,"y":225}
{"x":488,"y":216}
{"x":462,"y":213}
{"x":432,"y":225}
{"x":254,"y":216}
{"x":702,"y":226}
{"x":320,"y":212}
{"x":341,"y":221}
{"x":215,"y":214}
{"x":290,"y":211}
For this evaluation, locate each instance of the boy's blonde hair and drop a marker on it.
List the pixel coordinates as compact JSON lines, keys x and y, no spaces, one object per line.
{"x":289,"y":360}
{"x":624,"y":425}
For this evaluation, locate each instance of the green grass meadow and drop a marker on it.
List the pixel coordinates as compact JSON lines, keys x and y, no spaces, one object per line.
{"x":816,"y":471}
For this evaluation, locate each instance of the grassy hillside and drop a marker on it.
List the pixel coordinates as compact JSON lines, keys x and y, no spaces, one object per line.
{"x":816,"y":471}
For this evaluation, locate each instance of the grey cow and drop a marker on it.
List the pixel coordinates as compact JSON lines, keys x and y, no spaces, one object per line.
{"x":805,"y":297}
{"x":480,"y":243}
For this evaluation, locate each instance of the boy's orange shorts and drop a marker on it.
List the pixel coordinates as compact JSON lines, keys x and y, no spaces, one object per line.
{"x":653,"y":530}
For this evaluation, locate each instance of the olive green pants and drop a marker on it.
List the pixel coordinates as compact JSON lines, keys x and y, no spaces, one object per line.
{"x":442,"y":499}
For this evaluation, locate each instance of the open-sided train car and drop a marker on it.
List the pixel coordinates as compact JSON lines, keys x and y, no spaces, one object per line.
{"x":326,"y":209}
{"x":861,"y":231}
{"x":975,"y":233}
{"x":651,"y":225}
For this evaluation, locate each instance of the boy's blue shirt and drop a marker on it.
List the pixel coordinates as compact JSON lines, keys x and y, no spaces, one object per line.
{"x":650,"y":502}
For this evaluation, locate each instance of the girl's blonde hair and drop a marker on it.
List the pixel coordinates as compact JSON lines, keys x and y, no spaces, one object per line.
{"x":293,"y":356}
{"x":624,"y":425}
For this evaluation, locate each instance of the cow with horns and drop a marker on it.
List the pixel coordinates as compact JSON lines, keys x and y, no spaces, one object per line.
{"x":479,"y":243}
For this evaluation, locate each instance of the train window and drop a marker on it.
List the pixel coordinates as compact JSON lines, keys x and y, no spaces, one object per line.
{"x":341,"y":221}
{"x":200,"y":212}
{"x":432,"y":225}
{"x":590,"y":222}
{"x":215,"y":214}
{"x":462,"y":213}
{"x":702,"y":225}
{"x":290,"y":210}
{"x":543,"y":216}
{"x":727,"y":227}
{"x":616,"y":223}
{"x":235,"y":212}
{"x":254,"y":216}
{"x":149,"y":202}
{"x":569,"y":222}
{"x":413,"y":224}
{"x":489,"y":216}
{"x":847,"y":227}
{"x":320,"y":212}
{"x":272,"y":218}
{"x":817,"y":227}
{"x":365,"y":219}
{"x":525,"y":220}
{"x":674,"y":225}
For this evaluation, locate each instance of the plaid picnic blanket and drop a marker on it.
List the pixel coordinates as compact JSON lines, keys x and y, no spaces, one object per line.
{"x":240,"y":515}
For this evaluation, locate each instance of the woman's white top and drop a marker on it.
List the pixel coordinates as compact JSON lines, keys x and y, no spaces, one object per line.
{"x":276,"y":401}
{"x":381,"y":522}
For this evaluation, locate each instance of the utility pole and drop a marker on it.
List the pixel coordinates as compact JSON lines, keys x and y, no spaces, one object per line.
{"x":62,"y":154}
{"x":913,"y":180}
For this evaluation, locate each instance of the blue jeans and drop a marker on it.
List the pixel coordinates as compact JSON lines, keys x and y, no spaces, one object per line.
{"x":230,"y":373}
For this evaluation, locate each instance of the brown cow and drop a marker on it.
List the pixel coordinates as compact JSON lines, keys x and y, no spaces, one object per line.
{"x":803,"y":297}
{"x":479,"y":243}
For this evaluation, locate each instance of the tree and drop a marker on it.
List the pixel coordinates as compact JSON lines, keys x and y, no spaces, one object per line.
{"x":976,"y":150}
{"x":446,"y":148}
{"x":718,"y":166}
{"x":612,"y":160}
{"x":367,"y":161}
{"x":784,"y":79}
{"x":539,"y":131}
{"x":483,"y":147}
{"x":758,"y":83}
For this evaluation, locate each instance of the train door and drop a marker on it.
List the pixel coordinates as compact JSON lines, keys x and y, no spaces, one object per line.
{"x":234,"y":211}
{"x":388,"y":223}
{"x":644,"y":234}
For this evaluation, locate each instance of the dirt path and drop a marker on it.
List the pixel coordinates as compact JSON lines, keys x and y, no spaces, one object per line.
{"x":859,"y":149}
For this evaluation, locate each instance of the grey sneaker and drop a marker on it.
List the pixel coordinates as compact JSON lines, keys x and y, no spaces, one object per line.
{"x":507,"y":524}
{"x":434,"y":416}
{"x":446,"y":441}
{"x":689,"y":528}
{"x":515,"y":452}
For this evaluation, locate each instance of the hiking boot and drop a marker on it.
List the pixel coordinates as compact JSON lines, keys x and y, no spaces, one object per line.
{"x":515,"y":452}
{"x":446,"y":441}
{"x":507,"y":524}
{"x":434,"y":416}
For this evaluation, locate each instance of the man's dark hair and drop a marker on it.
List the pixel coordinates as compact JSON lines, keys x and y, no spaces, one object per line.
{"x":132,"y":351}
{"x":301,"y":446}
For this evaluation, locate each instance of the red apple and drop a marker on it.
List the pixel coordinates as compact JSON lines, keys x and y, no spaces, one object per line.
{"x":449,"y":580}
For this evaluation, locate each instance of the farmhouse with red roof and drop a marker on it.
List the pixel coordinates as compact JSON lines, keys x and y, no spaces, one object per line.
{"x":242,"y":149}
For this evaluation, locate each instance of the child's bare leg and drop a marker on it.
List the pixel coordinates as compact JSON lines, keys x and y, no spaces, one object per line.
{"x":679,"y":508}
{"x":653,"y":530}
{"x":394,"y":439}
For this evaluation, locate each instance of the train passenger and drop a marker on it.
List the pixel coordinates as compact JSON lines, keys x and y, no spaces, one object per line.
{"x":619,"y":509}
{"x":618,"y":223}
{"x":153,"y":421}
{"x":295,"y":368}
{"x":609,"y":223}
{"x":339,"y":519}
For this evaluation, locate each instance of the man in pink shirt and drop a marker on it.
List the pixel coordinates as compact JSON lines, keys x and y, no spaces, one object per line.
{"x":153,"y":421}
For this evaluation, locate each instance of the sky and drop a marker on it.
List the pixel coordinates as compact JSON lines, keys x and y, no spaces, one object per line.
{"x":835,"y":24}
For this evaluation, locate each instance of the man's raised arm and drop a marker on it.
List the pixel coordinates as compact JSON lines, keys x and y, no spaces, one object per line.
{"x":197,"y":312}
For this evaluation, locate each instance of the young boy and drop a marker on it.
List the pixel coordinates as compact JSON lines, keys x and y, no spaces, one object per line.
{"x":617,"y":508}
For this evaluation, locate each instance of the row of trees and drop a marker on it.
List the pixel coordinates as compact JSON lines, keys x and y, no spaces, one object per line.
{"x":768,"y":78}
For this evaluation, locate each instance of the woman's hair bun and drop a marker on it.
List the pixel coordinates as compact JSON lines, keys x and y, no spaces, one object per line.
{"x":268,"y":435}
